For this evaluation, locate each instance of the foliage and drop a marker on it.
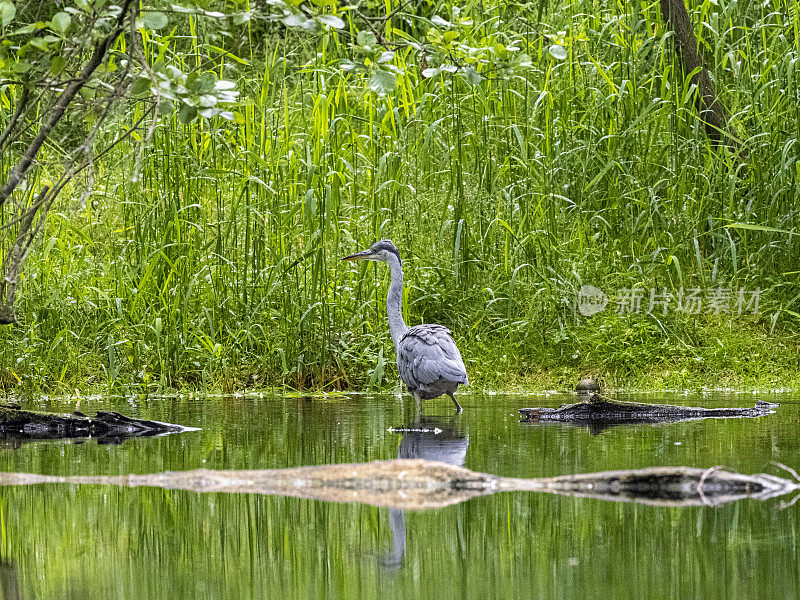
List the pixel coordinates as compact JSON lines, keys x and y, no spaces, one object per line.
{"x":511,"y":158}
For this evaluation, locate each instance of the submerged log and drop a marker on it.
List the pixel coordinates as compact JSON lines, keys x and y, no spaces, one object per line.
{"x":401,"y":483}
{"x":599,"y":413}
{"x":421,"y":484}
{"x":106,"y":426}
{"x":668,"y":486}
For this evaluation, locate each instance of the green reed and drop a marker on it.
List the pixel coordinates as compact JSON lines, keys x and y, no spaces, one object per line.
{"x":218,"y":264}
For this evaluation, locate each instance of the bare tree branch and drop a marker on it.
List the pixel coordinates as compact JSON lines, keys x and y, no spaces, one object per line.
{"x":100,"y":52}
{"x":75,"y":170}
{"x":13,"y":261}
{"x":29,"y":226}
{"x":21,"y":103}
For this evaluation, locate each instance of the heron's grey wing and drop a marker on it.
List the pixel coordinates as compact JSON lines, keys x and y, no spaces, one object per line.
{"x":427,"y":353}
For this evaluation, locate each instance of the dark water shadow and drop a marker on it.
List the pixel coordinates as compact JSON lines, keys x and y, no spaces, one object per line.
{"x":9,"y":581}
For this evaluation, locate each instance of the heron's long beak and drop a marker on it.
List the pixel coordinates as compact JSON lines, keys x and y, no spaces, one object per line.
{"x":363,"y":255}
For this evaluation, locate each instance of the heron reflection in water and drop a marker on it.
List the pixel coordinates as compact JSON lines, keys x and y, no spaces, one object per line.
{"x":428,"y":360}
{"x":431,"y":438}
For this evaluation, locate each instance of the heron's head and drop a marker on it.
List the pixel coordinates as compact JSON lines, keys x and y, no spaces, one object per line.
{"x":381,"y":251}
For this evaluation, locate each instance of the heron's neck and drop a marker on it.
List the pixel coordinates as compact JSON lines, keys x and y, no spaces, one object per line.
{"x":394,"y":301}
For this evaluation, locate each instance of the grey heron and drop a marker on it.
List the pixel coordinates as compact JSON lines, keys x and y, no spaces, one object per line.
{"x":428,"y":360}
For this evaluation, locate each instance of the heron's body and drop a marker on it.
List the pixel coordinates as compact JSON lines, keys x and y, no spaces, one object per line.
{"x":428,"y":360}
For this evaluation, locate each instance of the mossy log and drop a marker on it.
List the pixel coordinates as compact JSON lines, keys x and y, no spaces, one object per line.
{"x":106,"y":426}
{"x":421,"y":484}
{"x":600,"y":413}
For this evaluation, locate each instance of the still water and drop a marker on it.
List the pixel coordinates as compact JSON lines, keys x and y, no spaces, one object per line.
{"x":69,"y":541}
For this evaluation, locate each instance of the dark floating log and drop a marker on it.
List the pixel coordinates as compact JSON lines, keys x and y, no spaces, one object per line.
{"x":421,"y":484}
{"x":598,"y":413}
{"x":107,"y":427}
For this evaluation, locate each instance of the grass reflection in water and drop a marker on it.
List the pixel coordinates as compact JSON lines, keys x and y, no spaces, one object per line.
{"x":69,"y":541}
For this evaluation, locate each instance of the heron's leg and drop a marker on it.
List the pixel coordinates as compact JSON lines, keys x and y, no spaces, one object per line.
{"x":453,"y":398}
{"x":418,"y":415}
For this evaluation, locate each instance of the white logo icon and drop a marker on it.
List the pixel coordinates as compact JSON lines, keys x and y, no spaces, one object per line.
{"x":591,"y":300}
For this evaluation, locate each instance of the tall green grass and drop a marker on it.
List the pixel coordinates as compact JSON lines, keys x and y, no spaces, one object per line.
{"x":216,"y":263}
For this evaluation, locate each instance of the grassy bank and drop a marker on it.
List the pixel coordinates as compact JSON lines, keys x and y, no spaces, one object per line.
{"x":216,"y":263}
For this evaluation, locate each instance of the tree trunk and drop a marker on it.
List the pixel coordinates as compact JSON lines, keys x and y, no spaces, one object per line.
{"x":712,"y":112}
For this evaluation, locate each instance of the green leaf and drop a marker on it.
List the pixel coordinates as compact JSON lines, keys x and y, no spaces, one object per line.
{"x":57,"y":65}
{"x":761,"y":228}
{"x":557,"y":52}
{"x":7,"y":12}
{"x":331,"y":21}
{"x":140,"y":86}
{"x":383,"y":82}
{"x":30,"y":28}
{"x":208,"y":101}
{"x":366,"y":39}
{"x":191,"y":82}
{"x":164,"y":107}
{"x":242,"y":18}
{"x":206,"y":83}
{"x":309,"y":25}
{"x":61,"y":22}
{"x":22,"y":67}
{"x":155,"y":20}
{"x":472,"y":76}
{"x":294,"y":20}
{"x":187,"y":114}
{"x":39,"y":43}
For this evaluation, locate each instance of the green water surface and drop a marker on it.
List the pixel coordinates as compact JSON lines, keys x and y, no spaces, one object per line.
{"x":87,"y":542}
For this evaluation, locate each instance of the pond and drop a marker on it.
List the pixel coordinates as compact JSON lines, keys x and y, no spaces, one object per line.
{"x":105,"y":542}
